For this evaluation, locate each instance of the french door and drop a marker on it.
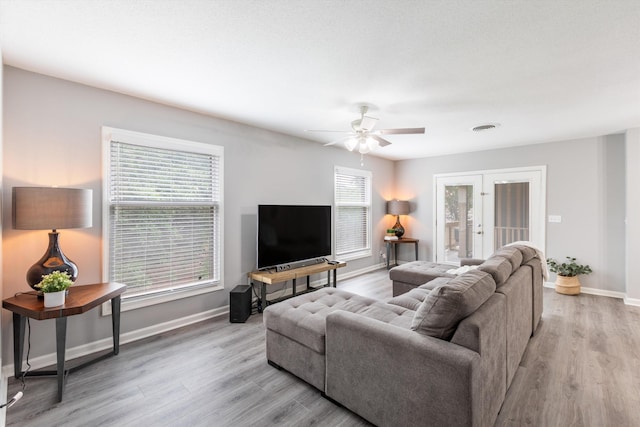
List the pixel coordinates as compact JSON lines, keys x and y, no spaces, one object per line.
{"x":477,"y":213}
{"x":458,"y":217}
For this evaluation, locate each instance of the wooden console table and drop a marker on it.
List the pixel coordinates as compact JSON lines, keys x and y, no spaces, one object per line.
{"x":79,"y":300}
{"x":395,"y":244}
{"x":271,"y":276}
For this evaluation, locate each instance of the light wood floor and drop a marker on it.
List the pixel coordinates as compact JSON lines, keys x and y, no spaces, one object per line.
{"x":582,"y":368}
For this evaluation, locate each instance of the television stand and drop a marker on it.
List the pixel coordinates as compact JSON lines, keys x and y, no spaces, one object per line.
{"x":272,"y":277}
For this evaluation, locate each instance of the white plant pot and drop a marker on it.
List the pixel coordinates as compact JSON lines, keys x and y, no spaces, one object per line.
{"x":54,"y":299}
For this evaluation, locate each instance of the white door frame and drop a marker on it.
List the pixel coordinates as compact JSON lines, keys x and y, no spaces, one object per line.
{"x":538,"y":206}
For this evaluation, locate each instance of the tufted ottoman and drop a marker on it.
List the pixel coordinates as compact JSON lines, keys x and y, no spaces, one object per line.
{"x":413,"y":274}
{"x":295,"y":328}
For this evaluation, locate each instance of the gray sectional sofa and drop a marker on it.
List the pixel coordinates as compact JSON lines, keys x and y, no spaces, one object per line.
{"x":409,"y":276}
{"x":443,"y":353}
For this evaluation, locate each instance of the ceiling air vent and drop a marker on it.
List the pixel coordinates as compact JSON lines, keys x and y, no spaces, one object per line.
{"x":484,"y":127}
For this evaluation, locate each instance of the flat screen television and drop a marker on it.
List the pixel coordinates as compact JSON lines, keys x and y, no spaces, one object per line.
{"x":292,"y":233}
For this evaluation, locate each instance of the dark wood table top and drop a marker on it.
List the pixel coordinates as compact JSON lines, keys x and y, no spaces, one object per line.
{"x":80,"y":299}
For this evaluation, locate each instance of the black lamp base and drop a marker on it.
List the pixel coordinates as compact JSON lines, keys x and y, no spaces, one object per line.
{"x":52,"y":260}
{"x":398,"y":227}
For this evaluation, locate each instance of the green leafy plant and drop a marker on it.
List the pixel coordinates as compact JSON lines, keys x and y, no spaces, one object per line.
{"x":55,"y":282}
{"x":569,"y":268}
{"x":391,"y":230}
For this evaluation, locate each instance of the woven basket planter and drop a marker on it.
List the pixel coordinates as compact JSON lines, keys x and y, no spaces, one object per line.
{"x":567,"y":285}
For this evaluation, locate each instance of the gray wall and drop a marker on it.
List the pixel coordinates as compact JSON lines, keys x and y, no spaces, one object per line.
{"x":585,"y":184}
{"x":633,"y":215}
{"x":53,"y":137}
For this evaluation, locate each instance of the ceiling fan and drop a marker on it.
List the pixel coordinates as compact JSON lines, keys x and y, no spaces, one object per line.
{"x":364,"y":137}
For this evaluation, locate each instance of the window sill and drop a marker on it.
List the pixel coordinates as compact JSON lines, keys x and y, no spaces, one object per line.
{"x":135,"y":302}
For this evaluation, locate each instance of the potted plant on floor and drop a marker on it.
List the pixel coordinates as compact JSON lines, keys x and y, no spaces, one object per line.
{"x":567,"y":282}
{"x":54,"y":287}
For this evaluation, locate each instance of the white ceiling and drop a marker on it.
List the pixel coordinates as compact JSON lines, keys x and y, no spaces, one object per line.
{"x":545,"y":70}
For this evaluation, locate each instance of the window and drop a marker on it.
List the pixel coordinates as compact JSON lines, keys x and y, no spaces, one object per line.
{"x":353,"y":213}
{"x":162,"y":215}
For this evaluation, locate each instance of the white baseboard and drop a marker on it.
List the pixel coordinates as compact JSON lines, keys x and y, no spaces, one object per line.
{"x":632,"y":301}
{"x":106,"y":343}
{"x":602,"y":292}
{"x":599,"y":292}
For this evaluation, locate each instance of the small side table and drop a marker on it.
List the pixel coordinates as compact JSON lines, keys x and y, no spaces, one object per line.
{"x":395,"y":244}
{"x":80,"y":299}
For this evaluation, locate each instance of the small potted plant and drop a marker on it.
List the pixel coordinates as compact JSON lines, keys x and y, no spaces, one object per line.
{"x":54,"y":287}
{"x":567,"y":281}
{"x":391,"y":234}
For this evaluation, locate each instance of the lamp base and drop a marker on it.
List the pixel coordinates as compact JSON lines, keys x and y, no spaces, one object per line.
{"x":398,"y":227}
{"x":52,"y":260}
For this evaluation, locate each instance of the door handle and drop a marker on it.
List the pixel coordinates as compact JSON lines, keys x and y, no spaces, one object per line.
{"x":479,"y":232}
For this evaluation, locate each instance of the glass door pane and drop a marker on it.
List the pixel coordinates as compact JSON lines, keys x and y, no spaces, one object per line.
{"x":458,"y":218}
{"x":511,"y":214}
{"x":458,"y":234}
{"x":513,"y":208}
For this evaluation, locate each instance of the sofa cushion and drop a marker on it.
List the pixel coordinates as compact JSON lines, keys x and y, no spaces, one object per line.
{"x":513,"y":254}
{"x":389,"y":313}
{"x":498,"y":267}
{"x":435,"y":282}
{"x":528,"y":253}
{"x":302,"y":318}
{"x":412,"y":299}
{"x":418,"y":272}
{"x":446,"y":305}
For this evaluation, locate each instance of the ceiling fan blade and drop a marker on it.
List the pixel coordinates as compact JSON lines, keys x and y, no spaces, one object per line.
{"x":367,"y":123}
{"x":337,"y":141}
{"x":399,"y":131}
{"x":324,"y":130}
{"x":381,"y":141}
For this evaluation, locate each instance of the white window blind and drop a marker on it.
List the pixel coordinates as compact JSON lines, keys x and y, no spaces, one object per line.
{"x":353,"y":212}
{"x":164,"y":216}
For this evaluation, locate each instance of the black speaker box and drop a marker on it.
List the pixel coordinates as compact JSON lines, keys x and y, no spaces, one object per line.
{"x":240,"y":304}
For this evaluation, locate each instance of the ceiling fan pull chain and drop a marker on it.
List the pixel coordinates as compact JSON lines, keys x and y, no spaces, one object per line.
{"x":361,"y":159}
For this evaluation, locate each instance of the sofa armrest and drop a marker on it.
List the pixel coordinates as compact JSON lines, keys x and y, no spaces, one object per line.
{"x":470,"y":261}
{"x":395,"y":376}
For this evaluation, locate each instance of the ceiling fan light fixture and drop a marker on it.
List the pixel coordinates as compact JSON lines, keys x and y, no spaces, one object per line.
{"x":364,"y":147}
{"x":351,"y":143}
{"x":364,"y":138}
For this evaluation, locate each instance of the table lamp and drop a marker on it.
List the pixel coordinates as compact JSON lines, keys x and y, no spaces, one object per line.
{"x":51,"y":208}
{"x":398,"y":207}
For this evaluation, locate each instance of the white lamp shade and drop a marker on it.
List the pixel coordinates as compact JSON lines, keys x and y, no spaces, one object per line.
{"x":51,"y":208}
